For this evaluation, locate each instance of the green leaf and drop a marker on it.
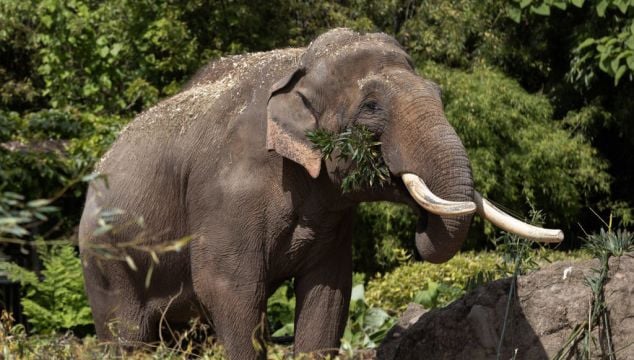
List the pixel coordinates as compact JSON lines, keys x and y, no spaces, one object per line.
{"x":104,"y":51}
{"x":525,"y":3}
{"x":38,"y":203}
{"x":375,"y":318}
{"x":102,"y":229}
{"x":148,"y":275}
{"x":587,"y":42}
{"x":578,"y":3}
{"x":358,"y":293}
{"x":10,"y":220}
{"x":131,"y":263}
{"x":601,"y":7}
{"x":287,"y":330}
{"x":354,"y":143}
{"x":89,"y":89}
{"x":622,"y":5}
{"x":44,"y":69}
{"x":116,"y":48}
{"x":630,"y":62}
{"x":514,"y":13}
{"x":542,"y":9}
{"x":619,"y":74}
{"x":102,"y":40}
{"x":47,"y":20}
{"x":603,"y":63}
{"x":104,"y":80}
{"x":614,"y":64}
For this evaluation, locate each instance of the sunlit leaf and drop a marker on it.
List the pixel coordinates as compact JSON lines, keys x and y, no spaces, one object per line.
{"x":130,"y":262}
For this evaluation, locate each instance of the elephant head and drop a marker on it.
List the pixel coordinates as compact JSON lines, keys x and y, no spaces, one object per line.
{"x":346,"y":78}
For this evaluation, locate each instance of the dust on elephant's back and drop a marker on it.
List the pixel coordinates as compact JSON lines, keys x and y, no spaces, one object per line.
{"x":209,"y":105}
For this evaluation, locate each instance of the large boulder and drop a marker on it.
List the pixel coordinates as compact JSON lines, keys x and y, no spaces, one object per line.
{"x":548,"y":304}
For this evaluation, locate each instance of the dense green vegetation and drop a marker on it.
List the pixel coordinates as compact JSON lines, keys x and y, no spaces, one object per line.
{"x":57,"y":301}
{"x":531,"y":86}
{"x":540,"y":92}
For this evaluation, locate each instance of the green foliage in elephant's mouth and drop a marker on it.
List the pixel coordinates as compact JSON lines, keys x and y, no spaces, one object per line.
{"x":358,"y":144}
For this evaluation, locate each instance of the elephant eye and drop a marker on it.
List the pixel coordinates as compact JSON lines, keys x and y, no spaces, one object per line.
{"x":371,"y":106}
{"x":372,"y":116}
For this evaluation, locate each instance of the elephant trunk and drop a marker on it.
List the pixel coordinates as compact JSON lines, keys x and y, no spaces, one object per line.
{"x":448,"y":175}
{"x":429,"y":148}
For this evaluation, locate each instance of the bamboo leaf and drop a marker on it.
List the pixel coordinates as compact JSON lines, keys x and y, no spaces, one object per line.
{"x":619,"y":73}
{"x":131,"y":263}
{"x":542,"y":9}
{"x":148,"y":275}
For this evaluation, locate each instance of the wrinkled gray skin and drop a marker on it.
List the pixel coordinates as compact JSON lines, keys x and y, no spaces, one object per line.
{"x":227,"y":162}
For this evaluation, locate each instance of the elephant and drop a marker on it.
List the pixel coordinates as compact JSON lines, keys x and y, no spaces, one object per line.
{"x":227,"y":164}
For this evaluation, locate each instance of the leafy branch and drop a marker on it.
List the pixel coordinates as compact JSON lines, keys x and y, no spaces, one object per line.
{"x":613,"y":54}
{"x":356,"y":144}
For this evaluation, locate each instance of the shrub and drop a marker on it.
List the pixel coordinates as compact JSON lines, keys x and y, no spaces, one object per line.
{"x":457,"y":32}
{"x":281,"y":311}
{"x":383,"y":236}
{"x":394,"y":290}
{"x":10,"y":122}
{"x":367,"y":325}
{"x":55,"y":124}
{"x":56,"y":300}
{"x":436,"y":285}
{"x":48,"y":152}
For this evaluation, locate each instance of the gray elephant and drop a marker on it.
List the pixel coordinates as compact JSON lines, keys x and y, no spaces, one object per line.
{"x":227,"y":162}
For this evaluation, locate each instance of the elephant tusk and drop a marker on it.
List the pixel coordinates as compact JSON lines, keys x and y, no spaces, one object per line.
{"x":432,"y":203}
{"x":510,"y":224}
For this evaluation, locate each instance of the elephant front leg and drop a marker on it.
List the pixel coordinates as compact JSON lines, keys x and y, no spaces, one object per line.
{"x":237,"y":306}
{"x":323,"y":297}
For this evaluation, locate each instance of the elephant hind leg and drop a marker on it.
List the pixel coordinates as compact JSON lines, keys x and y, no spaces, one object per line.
{"x":118,"y":315}
{"x":126,"y":323}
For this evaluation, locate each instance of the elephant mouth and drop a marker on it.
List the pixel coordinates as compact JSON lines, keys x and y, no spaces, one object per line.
{"x":424,"y":199}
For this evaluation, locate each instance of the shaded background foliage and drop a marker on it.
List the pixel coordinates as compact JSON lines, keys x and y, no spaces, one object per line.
{"x":539,"y":91}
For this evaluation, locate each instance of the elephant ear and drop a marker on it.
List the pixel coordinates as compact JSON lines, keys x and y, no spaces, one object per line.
{"x":288,"y":120}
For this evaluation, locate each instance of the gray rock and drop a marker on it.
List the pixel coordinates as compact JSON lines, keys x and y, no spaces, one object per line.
{"x":547,"y":305}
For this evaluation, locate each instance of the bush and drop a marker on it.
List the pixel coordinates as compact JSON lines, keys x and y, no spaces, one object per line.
{"x":281,"y":311}
{"x":120,"y":56}
{"x":383,"y":236}
{"x":366,"y":326}
{"x":9,"y":125}
{"x":436,"y":285}
{"x":56,"y":300}
{"x":44,"y":150}
{"x":457,"y":32}
{"x":47,"y":154}
{"x":394,"y":290}
{"x":55,"y":124}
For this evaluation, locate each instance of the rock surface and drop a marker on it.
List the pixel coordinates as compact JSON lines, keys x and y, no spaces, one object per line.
{"x":548,"y":304}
